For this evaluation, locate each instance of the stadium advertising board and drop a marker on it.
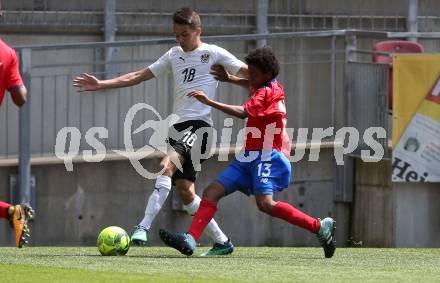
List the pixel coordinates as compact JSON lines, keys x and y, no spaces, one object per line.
{"x":416,"y":118}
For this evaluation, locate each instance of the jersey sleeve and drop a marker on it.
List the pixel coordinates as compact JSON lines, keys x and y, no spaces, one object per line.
{"x":162,"y":66}
{"x":255,"y":106}
{"x":227,"y":60}
{"x":14,"y":78}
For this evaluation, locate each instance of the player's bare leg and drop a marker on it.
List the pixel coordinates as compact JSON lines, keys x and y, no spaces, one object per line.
{"x":214,"y":192}
{"x":324,"y":229}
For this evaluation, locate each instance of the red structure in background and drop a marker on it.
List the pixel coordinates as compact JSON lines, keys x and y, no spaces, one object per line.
{"x":394,"y":46}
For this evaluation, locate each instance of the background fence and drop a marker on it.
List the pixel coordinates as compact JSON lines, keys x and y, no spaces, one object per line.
{"x":140,"y":17}
{"x":367,"y":102}
{"x":315,"y":72}
{"x":310,"y":77}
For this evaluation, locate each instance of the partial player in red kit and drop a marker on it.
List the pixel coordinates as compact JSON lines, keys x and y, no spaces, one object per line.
{"x":10,"y":80}
{"x":18,"y":216}
{"x":262,"y":169}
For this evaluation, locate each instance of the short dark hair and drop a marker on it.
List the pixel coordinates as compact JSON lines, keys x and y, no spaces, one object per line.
{"x":187,"y":16}
{"x":265,"y":60}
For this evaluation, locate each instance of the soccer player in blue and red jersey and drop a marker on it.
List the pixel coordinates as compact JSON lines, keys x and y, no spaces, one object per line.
{"x":263,"y":168}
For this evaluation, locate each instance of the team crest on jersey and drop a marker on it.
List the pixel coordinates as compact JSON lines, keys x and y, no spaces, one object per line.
{"x":204,"y":58}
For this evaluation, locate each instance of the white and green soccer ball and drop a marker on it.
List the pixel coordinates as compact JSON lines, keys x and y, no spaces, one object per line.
{"x":113,"y":240}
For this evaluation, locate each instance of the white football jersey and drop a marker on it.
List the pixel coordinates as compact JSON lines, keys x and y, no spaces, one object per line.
{"x":191,"y":71}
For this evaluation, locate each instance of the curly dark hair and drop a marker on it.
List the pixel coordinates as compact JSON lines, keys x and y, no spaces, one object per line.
{"x":265,"y":60}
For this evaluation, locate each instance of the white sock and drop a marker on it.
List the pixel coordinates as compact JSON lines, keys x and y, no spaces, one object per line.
{"x":156,"y":200}
{"x":212,"y":229}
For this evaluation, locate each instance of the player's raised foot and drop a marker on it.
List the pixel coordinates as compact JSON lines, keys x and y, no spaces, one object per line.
{"x":182,"y":242}
{"x":325,"y":236}
{"x":140,"y":236}
{"x":220,"y":249}
{"x":19,"y":222}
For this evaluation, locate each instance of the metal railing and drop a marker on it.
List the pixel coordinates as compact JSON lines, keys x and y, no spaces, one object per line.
{"x":49,"y":70}
{"x":315,"y":68}
{"x":239,"y":16}
{"x":55,"y":104}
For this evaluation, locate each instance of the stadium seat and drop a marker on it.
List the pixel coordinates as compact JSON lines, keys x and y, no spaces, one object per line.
{"x":393,"y":46}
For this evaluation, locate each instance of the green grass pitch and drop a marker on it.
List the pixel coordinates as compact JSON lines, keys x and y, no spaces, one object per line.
{"x":260,"y":264}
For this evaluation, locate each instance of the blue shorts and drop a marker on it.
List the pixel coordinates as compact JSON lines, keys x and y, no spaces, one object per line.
{"x":265,"y":175}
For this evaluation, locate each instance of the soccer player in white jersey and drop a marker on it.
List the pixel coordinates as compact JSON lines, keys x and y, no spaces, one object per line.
{"x":190,"y":64}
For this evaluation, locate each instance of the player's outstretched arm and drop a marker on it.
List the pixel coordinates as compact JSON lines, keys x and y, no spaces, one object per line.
{"x":234,"y":110}
{"x":219,"y":72}
{"x":86,"y":82}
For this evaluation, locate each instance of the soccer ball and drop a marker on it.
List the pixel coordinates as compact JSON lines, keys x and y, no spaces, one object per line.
{"x":113,"y":241}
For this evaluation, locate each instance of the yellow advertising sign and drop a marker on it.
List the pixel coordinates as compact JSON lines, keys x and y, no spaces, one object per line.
{"x":416,"y":118}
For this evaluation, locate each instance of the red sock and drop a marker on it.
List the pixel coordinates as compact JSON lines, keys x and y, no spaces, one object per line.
{"x":4,"y":210}
{"x":292,"y":215}
{"x":203,"y":216}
